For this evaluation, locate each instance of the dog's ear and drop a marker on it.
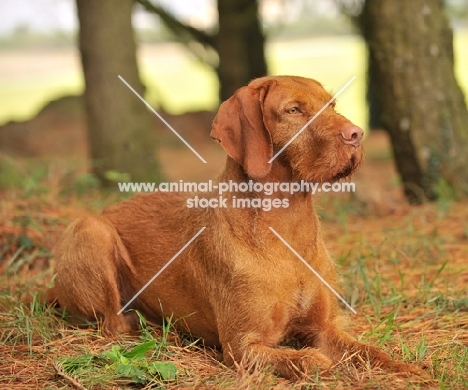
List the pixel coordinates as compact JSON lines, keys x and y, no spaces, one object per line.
{"x":241,"y":131}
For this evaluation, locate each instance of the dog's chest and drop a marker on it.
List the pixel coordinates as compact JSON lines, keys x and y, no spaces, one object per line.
{"x":291,"y":285}
{"x":303,"y":297}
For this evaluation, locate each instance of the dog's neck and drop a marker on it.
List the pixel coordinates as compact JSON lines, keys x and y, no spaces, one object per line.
{"x":279,"y":173}
{"x":296,"y":216}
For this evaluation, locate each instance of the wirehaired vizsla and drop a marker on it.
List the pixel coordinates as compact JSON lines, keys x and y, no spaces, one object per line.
{"x":236,"y":285}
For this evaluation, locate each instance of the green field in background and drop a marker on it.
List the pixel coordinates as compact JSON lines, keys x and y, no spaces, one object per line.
{"x":179,"y":83}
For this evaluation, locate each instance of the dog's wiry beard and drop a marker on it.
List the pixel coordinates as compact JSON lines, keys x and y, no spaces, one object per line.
{"x":347,"y":170}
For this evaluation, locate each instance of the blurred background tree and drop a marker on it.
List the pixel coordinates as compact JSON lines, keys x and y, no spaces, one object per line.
{"x":122,"y":143}
{"x":238,"y":43}
{"x":413,"y":92}
{"x":421,"y":104}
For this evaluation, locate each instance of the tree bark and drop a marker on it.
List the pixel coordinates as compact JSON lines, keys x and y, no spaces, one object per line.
{"x":240,"y":45}
{"x":120,"y":131}
{"x":422,"y":107}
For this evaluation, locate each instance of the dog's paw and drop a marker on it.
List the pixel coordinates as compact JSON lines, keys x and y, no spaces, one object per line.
{"x":303,"y":364}
{"x":407,"y":369}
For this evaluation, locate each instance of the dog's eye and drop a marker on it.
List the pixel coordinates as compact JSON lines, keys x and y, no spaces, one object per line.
{"x":294,"y":110}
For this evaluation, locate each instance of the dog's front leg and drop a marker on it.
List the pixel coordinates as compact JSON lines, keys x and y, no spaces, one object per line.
{"x":250,"y":335}
{"x":286,"y":362}
{"x":338,"y":344}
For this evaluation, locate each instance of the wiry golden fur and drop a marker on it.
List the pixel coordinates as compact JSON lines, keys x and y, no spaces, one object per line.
{"x":237,"y":285}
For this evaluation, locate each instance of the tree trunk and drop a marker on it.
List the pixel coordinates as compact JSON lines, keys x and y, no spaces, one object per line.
{"x":372,"y":98}
{"x":121,"y":136}
{"x":240,"y":45}
{"x":422,"y":106}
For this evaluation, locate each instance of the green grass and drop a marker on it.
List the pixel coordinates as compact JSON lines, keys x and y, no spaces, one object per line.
{"x":180,"y":83}
{"x":126,"y":364}
{"x":403,"y":274}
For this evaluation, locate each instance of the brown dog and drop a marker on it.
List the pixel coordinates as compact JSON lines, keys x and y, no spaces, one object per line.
{"x":236,"y":285}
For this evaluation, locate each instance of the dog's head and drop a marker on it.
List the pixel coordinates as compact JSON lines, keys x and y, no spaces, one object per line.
{"x":261,"y":118}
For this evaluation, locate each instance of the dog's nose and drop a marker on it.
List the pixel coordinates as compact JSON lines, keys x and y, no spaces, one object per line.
{"x":352,"y":135}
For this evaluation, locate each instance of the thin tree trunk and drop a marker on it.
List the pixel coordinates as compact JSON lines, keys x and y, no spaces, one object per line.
{"x":240,"y":45}
{"x":422,"y":106}
{"x":120,"y":132}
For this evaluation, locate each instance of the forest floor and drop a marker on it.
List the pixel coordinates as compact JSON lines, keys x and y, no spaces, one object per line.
{"x":404,"y":268}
